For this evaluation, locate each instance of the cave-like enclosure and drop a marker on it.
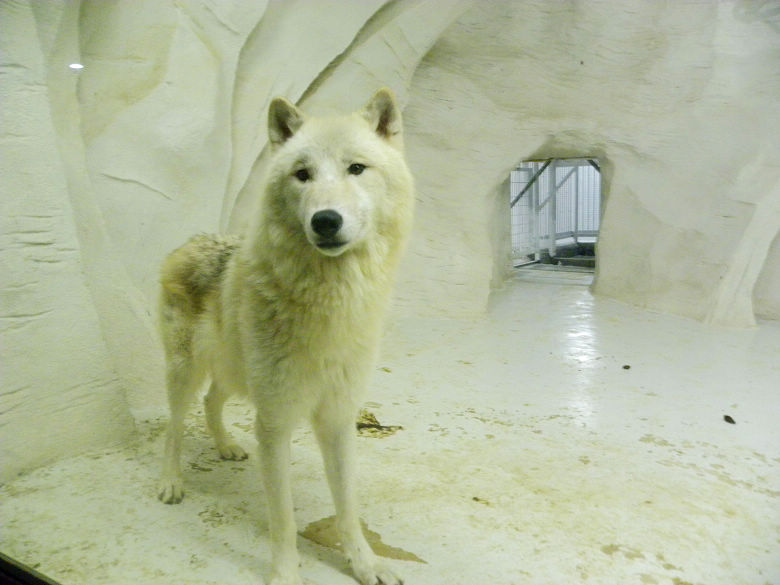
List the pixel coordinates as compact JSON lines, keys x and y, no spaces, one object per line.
{"x":577,"y":427}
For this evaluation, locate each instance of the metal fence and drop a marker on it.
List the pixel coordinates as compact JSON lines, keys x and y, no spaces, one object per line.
{"x":552,"y":203}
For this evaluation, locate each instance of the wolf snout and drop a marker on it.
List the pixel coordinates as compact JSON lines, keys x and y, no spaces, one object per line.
{"x":326,"y":223}
{"x":327,"y":234}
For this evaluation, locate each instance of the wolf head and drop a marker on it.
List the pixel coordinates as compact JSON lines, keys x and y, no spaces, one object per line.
{"x":340,"y":182}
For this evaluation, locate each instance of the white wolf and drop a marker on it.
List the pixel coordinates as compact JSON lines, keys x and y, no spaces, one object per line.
{"x":291,"y":313}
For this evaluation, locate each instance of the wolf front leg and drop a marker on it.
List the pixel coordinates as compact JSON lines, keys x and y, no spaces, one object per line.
{"x":274,"y":447}
{"x":336,"y":436}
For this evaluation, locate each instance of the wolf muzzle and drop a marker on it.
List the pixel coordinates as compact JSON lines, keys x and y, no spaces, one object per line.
{"x":326,"y":224}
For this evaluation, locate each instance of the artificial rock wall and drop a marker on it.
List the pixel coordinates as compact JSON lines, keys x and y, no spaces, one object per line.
{"x":162,"y":134}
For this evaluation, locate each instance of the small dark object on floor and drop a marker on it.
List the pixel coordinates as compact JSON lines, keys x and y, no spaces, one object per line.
{"x":626,"y":367}
{"x":729,"y":420}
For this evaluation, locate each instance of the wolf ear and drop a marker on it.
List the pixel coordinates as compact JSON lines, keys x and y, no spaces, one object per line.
{"x":284,"y":120}
{"x":382,"y":113}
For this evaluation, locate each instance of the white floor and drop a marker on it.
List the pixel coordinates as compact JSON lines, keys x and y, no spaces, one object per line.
{"x":561,"y":440}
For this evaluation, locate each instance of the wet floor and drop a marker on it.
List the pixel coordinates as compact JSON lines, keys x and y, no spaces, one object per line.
{"x":560,"y":440}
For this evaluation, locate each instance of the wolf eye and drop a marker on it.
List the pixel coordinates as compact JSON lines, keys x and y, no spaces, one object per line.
{"x":356,"y":168}
{"x":302,"y":175}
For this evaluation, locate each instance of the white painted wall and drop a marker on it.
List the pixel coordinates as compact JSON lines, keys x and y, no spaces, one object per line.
{"x":162,"y":135}
{"x":60,"y":391}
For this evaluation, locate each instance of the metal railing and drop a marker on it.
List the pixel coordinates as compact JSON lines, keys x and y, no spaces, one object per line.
{"x":553,"y":202}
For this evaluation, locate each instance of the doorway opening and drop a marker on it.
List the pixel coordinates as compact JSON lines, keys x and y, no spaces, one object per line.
{"x":555,"y":211}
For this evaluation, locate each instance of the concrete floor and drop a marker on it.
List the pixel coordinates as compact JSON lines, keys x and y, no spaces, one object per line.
{"x":560,"y":440}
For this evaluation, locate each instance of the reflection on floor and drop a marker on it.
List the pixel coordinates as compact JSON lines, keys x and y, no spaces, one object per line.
{"x":560,"y":440}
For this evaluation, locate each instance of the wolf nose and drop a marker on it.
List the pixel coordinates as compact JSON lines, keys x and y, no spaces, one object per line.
{"x":326,"y":223}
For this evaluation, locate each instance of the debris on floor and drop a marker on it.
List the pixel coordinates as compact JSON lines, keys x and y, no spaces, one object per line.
{"x":323,"y":532}
{"x":369,"y":426}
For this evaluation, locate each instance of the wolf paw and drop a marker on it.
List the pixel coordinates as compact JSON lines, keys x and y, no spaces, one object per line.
{"x":375,"y":574}
{"x":171,"y":491}
{"x":232,"y":452}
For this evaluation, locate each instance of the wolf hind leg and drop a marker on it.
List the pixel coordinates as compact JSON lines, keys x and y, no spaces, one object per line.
{"x":183,"y":382}
{"x":213,"y":404}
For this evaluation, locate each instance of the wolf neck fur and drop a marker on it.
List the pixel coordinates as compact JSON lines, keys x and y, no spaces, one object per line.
{"x":282,"y":263}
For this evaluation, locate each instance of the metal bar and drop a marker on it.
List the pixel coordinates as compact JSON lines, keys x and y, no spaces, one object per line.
{"x":534,"y":216}
{"x":576,"y":202}
{"x":563,"y":197}
{"x":566,"y":178}
{"x":556,"y":185}
{"x":530,"y":183}
{"x":594,"y":164}
{"x":553,"y":217}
